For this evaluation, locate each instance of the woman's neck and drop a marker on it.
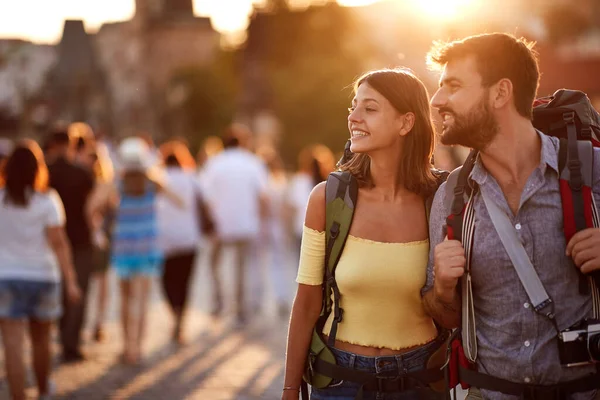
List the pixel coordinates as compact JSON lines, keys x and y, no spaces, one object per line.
{"x":386,"y":177}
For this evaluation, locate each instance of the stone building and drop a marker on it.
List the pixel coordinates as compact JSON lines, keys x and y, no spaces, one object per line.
{"x":120,"y":79}
{"x":140,"y":58}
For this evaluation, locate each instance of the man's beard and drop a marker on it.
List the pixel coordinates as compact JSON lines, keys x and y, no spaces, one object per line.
{"x":475,"y":130}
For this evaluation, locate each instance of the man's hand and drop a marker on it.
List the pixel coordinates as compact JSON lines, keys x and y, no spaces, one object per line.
{"x":449,"y":265}
{"x":584,"y":248}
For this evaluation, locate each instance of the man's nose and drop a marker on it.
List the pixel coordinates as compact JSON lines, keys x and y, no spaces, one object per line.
{"x":439,"y":99}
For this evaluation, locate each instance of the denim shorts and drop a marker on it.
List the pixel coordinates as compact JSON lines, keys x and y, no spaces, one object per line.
{"x":412,"y":361}
{"x":30,"y":299}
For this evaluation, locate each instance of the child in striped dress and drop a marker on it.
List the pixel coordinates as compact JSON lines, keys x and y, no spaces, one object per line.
{"x":135,"y":254}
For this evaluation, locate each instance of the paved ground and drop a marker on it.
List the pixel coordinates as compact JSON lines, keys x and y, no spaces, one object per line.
{"x":219,"y":362}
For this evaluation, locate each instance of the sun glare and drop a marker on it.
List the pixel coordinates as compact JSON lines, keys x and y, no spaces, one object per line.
{"x":443,"y":9}
{"x":355,"y":3}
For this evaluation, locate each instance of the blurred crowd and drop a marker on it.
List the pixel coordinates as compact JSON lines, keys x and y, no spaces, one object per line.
{"x":76,"y":207}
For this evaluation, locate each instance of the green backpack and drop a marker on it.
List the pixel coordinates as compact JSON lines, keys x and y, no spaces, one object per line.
{"x":341,"y":194}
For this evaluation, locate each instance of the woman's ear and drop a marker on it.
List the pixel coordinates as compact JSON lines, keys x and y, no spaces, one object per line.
{"x":408,"y":122}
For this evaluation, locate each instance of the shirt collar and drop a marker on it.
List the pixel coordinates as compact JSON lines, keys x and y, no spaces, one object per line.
{"x":548,"y":158}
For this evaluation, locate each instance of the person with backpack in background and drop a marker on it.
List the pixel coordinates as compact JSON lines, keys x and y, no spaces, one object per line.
{"x":504,"y":227}
{"x":135,"y":253}
{"x":365,"y":244}
{"x":35,"y":261}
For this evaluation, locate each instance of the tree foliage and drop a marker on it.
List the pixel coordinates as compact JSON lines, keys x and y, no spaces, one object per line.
{"x":311,"y":59}
{"x":210,"y":101}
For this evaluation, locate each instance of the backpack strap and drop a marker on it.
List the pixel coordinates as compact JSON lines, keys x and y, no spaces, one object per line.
{"x":579,"y":207}
{"x":440,"y":177}
{"x":341,"y":193}
{"x":460,"y":225}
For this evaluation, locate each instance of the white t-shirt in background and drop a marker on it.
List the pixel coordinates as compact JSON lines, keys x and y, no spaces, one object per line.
{"x":178,"y":227}
{"x":233,"y":182}
{"x":301,"y":185}
{"x":25,"y":253}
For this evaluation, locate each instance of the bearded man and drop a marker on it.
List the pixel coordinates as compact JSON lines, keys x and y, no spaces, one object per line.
{"x":485,"y":98}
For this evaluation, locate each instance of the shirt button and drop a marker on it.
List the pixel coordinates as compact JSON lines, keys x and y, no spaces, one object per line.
{"x":527,"y":343}
{"x":526,"y":305}
{"x":518,"y":227}
{"x":527,"y":379}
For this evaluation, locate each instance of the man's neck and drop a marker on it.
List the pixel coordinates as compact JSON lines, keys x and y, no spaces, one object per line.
{"x":514,"y":153}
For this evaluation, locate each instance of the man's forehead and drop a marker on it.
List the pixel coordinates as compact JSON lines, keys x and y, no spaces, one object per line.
{"x":462,"y":67}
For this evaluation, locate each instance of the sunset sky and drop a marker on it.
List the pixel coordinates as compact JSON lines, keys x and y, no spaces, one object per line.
{"x":42,"y":20}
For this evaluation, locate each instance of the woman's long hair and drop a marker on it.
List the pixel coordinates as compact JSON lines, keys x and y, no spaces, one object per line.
{"x":406,"y":93}
{"x":317,"y":161}
{"x":103,"y":165}
{"x":23,"y":172}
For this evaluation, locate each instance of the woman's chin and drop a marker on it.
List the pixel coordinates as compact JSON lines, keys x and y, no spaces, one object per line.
{"x":358,"y":147}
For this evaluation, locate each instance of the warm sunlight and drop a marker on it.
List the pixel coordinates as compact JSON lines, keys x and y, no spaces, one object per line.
{"x":443,"y":9}
{"x":42,"y":20}
{"x":353,"y":3}
{"x":227,"y":15}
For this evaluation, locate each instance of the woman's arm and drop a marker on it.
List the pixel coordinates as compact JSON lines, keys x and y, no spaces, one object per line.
{"x":306,"y":308}
{"x":163,"y":189}
{"x":99,"y":201}
{"x":305,"y":312}
{"x":57,"y":238}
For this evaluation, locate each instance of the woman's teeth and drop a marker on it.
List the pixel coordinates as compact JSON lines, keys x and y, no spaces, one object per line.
{"x":359,"y":133}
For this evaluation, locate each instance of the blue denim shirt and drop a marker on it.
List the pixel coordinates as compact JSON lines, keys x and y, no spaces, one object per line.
{"x":514,"y":342}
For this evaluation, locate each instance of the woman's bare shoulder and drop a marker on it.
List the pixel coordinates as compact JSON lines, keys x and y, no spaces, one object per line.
{"x":315,"y":211}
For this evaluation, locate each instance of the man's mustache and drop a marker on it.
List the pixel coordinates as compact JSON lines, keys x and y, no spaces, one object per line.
{"x":446,"y":110}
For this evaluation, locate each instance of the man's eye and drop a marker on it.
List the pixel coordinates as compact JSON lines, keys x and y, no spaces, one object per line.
{"x":370,"y":109}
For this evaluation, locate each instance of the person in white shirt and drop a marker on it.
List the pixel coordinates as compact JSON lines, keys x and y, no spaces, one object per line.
{"x":34,"y":253}
{"x":234,"y":183}
{"x":275,"y":236}
{"x":315,"y":162}
{"x":179,"y":229}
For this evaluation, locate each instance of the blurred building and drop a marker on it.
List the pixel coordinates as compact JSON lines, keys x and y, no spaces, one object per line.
{"x":120,"y":79}
{"x":76,"y":84}
{"x":140,"y":58}
{"x":23,"y":71}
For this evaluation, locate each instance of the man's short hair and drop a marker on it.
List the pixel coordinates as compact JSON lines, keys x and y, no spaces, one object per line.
{"x":498,"y":56}
{"x":59,"y":137}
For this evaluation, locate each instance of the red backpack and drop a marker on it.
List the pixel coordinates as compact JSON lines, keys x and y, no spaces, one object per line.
{"x":570,"y":116}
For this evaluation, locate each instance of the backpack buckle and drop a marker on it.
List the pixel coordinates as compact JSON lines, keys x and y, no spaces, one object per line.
{"x":338,"y":314}
{"x":569,"y":117}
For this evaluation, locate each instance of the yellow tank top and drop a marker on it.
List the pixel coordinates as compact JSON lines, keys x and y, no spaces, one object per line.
{"x":380,"y":286}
